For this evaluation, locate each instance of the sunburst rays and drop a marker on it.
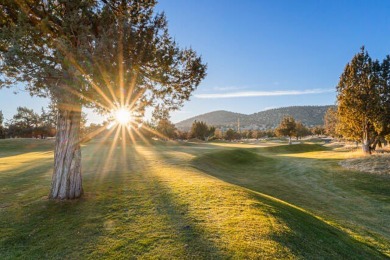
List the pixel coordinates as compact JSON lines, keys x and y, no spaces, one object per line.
{"x":117,"y":94}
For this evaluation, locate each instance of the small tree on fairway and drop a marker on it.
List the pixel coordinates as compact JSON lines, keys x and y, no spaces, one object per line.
{"x":287,"y":127}
{"x":100,"y":54}
{"x":301,"y":130}
{"x":201,"y":130}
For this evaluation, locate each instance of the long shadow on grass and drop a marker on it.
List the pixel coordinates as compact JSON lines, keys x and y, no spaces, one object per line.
{"x":124,"y":213}
{"x":24,"y":183}
{"x":188,"y":233}
{"x":309,"y":236}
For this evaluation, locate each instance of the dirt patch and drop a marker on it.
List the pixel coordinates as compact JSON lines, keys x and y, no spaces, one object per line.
{"x":377,"y":164}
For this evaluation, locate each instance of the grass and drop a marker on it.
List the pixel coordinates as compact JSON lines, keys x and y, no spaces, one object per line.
{"x":193,"y":201}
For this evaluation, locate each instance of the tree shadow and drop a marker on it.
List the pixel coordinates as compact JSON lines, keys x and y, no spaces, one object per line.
{"x":310,"y":235}
{"x":125,"y":213}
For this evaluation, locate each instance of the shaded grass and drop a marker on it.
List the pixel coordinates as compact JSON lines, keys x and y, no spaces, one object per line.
{"x":298,"y":148}
{"x":9,"y":147}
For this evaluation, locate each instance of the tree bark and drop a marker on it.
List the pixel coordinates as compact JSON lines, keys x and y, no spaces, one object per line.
{"x":366,"y":144}
{"x":66,"y":180}
{"x":366,"y":147}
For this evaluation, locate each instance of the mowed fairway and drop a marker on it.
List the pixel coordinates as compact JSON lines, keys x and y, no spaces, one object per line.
{"x":193,"y":201}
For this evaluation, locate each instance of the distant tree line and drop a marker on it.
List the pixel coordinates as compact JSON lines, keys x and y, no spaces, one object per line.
{"x":26,"y":123}
{"x":165,"y":129}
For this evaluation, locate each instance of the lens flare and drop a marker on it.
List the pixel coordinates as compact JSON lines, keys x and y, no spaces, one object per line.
{"x":122,"y":116}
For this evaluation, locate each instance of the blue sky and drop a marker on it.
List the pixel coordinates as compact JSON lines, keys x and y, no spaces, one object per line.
{"x":265,"y":54}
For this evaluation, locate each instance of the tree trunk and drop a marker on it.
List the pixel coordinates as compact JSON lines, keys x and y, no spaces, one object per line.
{"x":66,"y":180}
{"x":366,"y":140}
{"x":289,"y":140}
{"x":366,"y":147}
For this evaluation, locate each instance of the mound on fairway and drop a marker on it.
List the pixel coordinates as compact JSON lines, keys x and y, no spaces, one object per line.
{"x":313,"y":181}
{"x":296,"y":148}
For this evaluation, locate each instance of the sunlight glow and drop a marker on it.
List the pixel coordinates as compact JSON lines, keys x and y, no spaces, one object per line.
{"x":122,"y":116}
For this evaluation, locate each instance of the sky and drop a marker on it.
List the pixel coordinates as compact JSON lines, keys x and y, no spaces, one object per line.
{"x":263,"y":54}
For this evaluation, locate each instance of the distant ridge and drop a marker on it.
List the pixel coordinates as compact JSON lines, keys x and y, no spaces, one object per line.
{"x":308,"y":115}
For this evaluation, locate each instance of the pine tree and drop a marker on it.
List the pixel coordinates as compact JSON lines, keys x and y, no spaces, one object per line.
{"x":100,"y":54}
{"x":358,"y":100}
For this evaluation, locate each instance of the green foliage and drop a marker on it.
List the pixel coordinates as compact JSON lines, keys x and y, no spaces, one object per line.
{"x":24,"y":123}
{"x":363,"y":100}
{"x":317,"y":130}
{"x":27,"y":123}
{"x":287,"y":127}
{"x":166,"y":128}
{"x":268,"y":119}
{"x":230,"y":134}
{"x":201,"y":130}
{"x":301,"y":130}
{"x":331,"y":122}
{"x":96,"y":53}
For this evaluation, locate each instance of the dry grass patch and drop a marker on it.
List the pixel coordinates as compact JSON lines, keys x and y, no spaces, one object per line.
{"x":376,"y":164}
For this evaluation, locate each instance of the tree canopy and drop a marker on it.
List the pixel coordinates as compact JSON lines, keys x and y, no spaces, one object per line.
{"x":287,"y":127}
{"x":201,"y":130}
{"x":101,"y":54}
{"x":166,"y":129}
{"x":363,"y":100}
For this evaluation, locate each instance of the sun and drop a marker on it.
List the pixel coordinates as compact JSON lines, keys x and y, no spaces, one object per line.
{"x":122,"y":116}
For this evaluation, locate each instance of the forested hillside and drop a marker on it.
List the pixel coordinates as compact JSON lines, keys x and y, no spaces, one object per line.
{"x":308,"y":115}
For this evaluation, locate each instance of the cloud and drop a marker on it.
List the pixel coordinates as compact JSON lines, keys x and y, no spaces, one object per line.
{"x":228,"y":88}
{"x":264,"y":93}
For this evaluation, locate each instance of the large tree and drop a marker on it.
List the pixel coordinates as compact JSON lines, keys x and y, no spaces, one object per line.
{"x":101,"y":54}
{"x":358,"y":100}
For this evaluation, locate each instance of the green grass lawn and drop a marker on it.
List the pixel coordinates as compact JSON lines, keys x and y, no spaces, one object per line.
{"x":193,"y":201}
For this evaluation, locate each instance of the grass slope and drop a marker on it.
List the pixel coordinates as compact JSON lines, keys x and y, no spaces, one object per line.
{"x":309,"y":176}
{"x":150,"y":202}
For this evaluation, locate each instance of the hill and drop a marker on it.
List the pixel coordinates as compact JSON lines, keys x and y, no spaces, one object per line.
{"x":308,"y":115}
